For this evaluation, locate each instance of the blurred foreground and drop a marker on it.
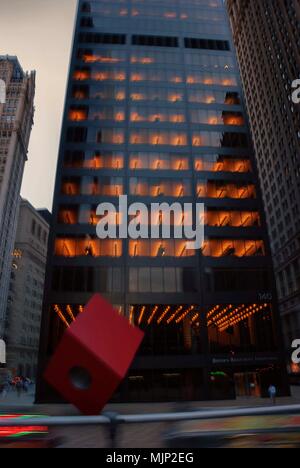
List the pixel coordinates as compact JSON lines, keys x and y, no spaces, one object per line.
{"x":231,"y":432}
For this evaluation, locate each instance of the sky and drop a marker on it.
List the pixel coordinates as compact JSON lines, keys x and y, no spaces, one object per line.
{"x":39,"y":33}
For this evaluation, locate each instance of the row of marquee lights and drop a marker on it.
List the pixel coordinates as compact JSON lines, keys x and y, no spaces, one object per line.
{"x":231,"y":315}
{"x":221,"y":318}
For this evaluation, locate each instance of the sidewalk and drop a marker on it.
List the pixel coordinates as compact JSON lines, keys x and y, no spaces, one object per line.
{"x":12,"y":400}
{"x":131,"y":436}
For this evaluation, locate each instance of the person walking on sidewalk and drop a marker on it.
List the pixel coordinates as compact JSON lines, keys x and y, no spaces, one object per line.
{"x":272,"y":393}
{"x":19,"y":387}
{"x":5,"y":389}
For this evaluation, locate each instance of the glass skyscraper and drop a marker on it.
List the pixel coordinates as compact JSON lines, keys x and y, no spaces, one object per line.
{"x":154,"y":110}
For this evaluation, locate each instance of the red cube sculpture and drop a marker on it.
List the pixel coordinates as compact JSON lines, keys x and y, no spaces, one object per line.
{"x":93,"y":356}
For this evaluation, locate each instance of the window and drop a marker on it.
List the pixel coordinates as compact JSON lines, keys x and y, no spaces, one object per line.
{"x":159,"y":248}
{"x":110,"y":136}
{"x":207,"y":44}
{"x":155,"y":41}
{"x":101,"y":56}
{"x":33,"y":226}
{"x":87,"y":22}
{"x":79,"y":113}
{"x":94,"y":159}
{"x":157,"y":280}
{"x":220,"y":140}
{"x":80,"y":92}
{"x":76,"y":134}
{"x":159,"y":161}
{"x":237,"y":280}
{"x":223,"y":189}
{"x":101,"y":38}
{"x":214,"y":117}
{"x":202,"y":96}
{"x":83,"y":247}
{"x":112,"y":113}
{"x":221,"y":163}
{"x":87,"y":279}
{"x":151,"y":187}
{"x":233,"y":248}
{"x":215,"y":218}
{"x":158,"y":138}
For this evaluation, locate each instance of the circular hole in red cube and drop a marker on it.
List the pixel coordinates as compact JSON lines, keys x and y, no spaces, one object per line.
{"x":80,"y":378}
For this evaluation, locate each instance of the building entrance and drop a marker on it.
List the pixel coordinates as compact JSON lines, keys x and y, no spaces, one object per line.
{"x":247,"y":384}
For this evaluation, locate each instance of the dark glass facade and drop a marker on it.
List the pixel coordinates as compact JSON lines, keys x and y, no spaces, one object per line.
{"x":154,"y":110}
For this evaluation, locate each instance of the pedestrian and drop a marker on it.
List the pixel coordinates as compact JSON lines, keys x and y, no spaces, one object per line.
{"x":25,"y":385}
{"x":272,"y":393}
{"x":5,"y":389}
{"x":19,"y":387}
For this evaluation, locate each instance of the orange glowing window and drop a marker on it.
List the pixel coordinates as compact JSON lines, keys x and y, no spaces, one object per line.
{"x":120,"y":76}
{"x":191,"y":80}
{"x":146,"y":60}
{"x":156,"y":140}
{"x":159,"y":248}
{"x":179,"y":118}
{"x":157,"y":118}
{"x":101,"y":76}
{"x":105,"y":76}
{"x":170,"y":15}
{"x":100,"y":59}
{"x":136,"y":139}
{"x":81,"y":75}
{"x":222,"y":164}
{"x":232,"y":219}
{"x":142,"y":60}
{"x":112,"y":190}
{"x":176,"y":79}
{"x":136,"y":164}
{"x":68,"y":216}
{"x":175,"y":97}
{"x":179,"y":140}
{"x":79,"y":95}
{"x":118,"y":139}
{"x":70,"y":188}
{"x":237,"y":120}
{"x":120,"y":96}
{"x":197,"y":141}
{"x":228,"y":82}
{"x":137,"y":97}
{"x":213,"y":121}
{"x":180,"y":164}
{"x":120,"y":117}
{"x":78,"y":115}
{"x":137,"y":77}
{"x":89,"y":58}
{"x":135,"y":117}
{"x":81,"y":247}
{"x":93,"y":163}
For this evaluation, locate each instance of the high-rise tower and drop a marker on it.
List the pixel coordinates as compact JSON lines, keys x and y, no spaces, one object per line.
{"x":16,"y":119}
{"x":267,"y":39}
{"x":154,"y":110}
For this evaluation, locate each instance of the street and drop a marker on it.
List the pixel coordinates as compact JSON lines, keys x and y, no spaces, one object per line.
{"x":130,"y":436}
